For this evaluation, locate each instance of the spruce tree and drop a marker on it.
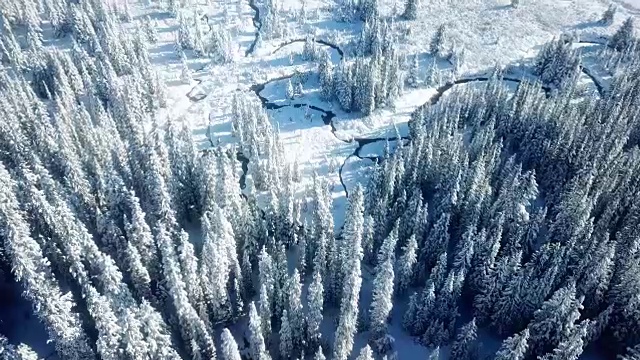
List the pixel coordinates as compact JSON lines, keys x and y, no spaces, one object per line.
{"x":438,"y":42}
{"x":256,"y":341}
{"x":229,"y":347}
{"x":315,"y":301}
{"x":410,"y":9}
{"x":365,"y":353}
{"x":623,"y":38}
{"x":383,"y":286}
{"x":465,"y":347}
{"x":347,"y":322}
{"x":286,"y":337}
{"x":406,"y":264}
{"x":514,"y":347}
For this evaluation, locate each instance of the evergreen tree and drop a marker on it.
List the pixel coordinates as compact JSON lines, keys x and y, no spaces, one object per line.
{"x":347,"y":323}
{"x":31,"y":268}
{"x":515,"y":347}
{"x":571,"y":348}
{"x":609,"y":14}
{"x":438,"y":43}
{"x":410,"y":10}
{"x":319,"y":354}
{"x":256,"y":341}
{"x":296,"y":316}
{"x":406,"y":264}
{"x":315,"y":298}
{"x":286,"y":337}
{"x":383,"y":285}
{"x":554,"y":321}
{"x":229,"y":346}
{"x":624,"y":37}
{"x":414,"y":72}
{"x":465,"y":347}
{"x":365,"y":353}
{"x":435,"y":354}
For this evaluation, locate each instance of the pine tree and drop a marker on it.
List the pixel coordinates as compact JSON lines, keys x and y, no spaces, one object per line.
{"x":185,"y":74}
{"x":435,"y":354}
{"x":414,"y":72}
{"x":571,"y":348}
{"x":229,"y":346}
{"x":365,"y":353}
{"x":383,"y":286}
{"x":438,"y":43}
{"x":296,"y":316}
{"x":515,"y":347}
{"x":406,"y":264}
{"x":290,"y":92}
{"x":264,"y":310}
{"x":184,"y":37}
{"x":410,"y":9}
{"x":215,"y":264}
{"x":554,"y":321}
{"x":319,"y":354}
{"x":465,"y":347}
{"x":609,"y":14}
{"x":432,"y":77}
{"x":286,"y":337}
{"x":351,"y":291}
{"x":623,"y":38}
{"x":33,"y":270}
{"x":315,"y":298}
{"x":256,"y":341}
{"x":325,"y":70}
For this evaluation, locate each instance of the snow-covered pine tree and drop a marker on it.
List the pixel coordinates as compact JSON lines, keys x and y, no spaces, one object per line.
{"x":624,"y":37}
{"x":608,"y":15}
{"x":351,"y":234}
{"x":256,"y":340}
{"x":290,"y":91}
{"x":465,"y":346}
{"x":184,"y":36}
{"x":554,"y":321}
{"x":382,"y":304}
{"x":296,"y":316}
{"x":365,"y":353}
{"x":198,"y":36}
{"x":286,"y":337}
{"x":406,"y":264}
{"x":325,"y":70}
{"x":414,"y":72}
{"x":229,"y":347}
{"x":571,"y":347}
{"x":319,"y":355}
{"x":435,"y":353}
{"x":264,"y":310}
{"x":514,"y":347}
{"x":437,"y":48}
{"x":347,"y":323}
{"x":432,"y":75}
{"x":315,"y":306}
{"x":185,"y":74}
{"x":410,"y":10}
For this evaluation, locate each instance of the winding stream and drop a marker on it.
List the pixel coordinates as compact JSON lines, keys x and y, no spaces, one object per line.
{"x":328,"y":116}
{"x":257,"y":24}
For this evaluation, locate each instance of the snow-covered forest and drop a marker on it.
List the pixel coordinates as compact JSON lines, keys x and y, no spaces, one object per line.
{"x":348,"y":179}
